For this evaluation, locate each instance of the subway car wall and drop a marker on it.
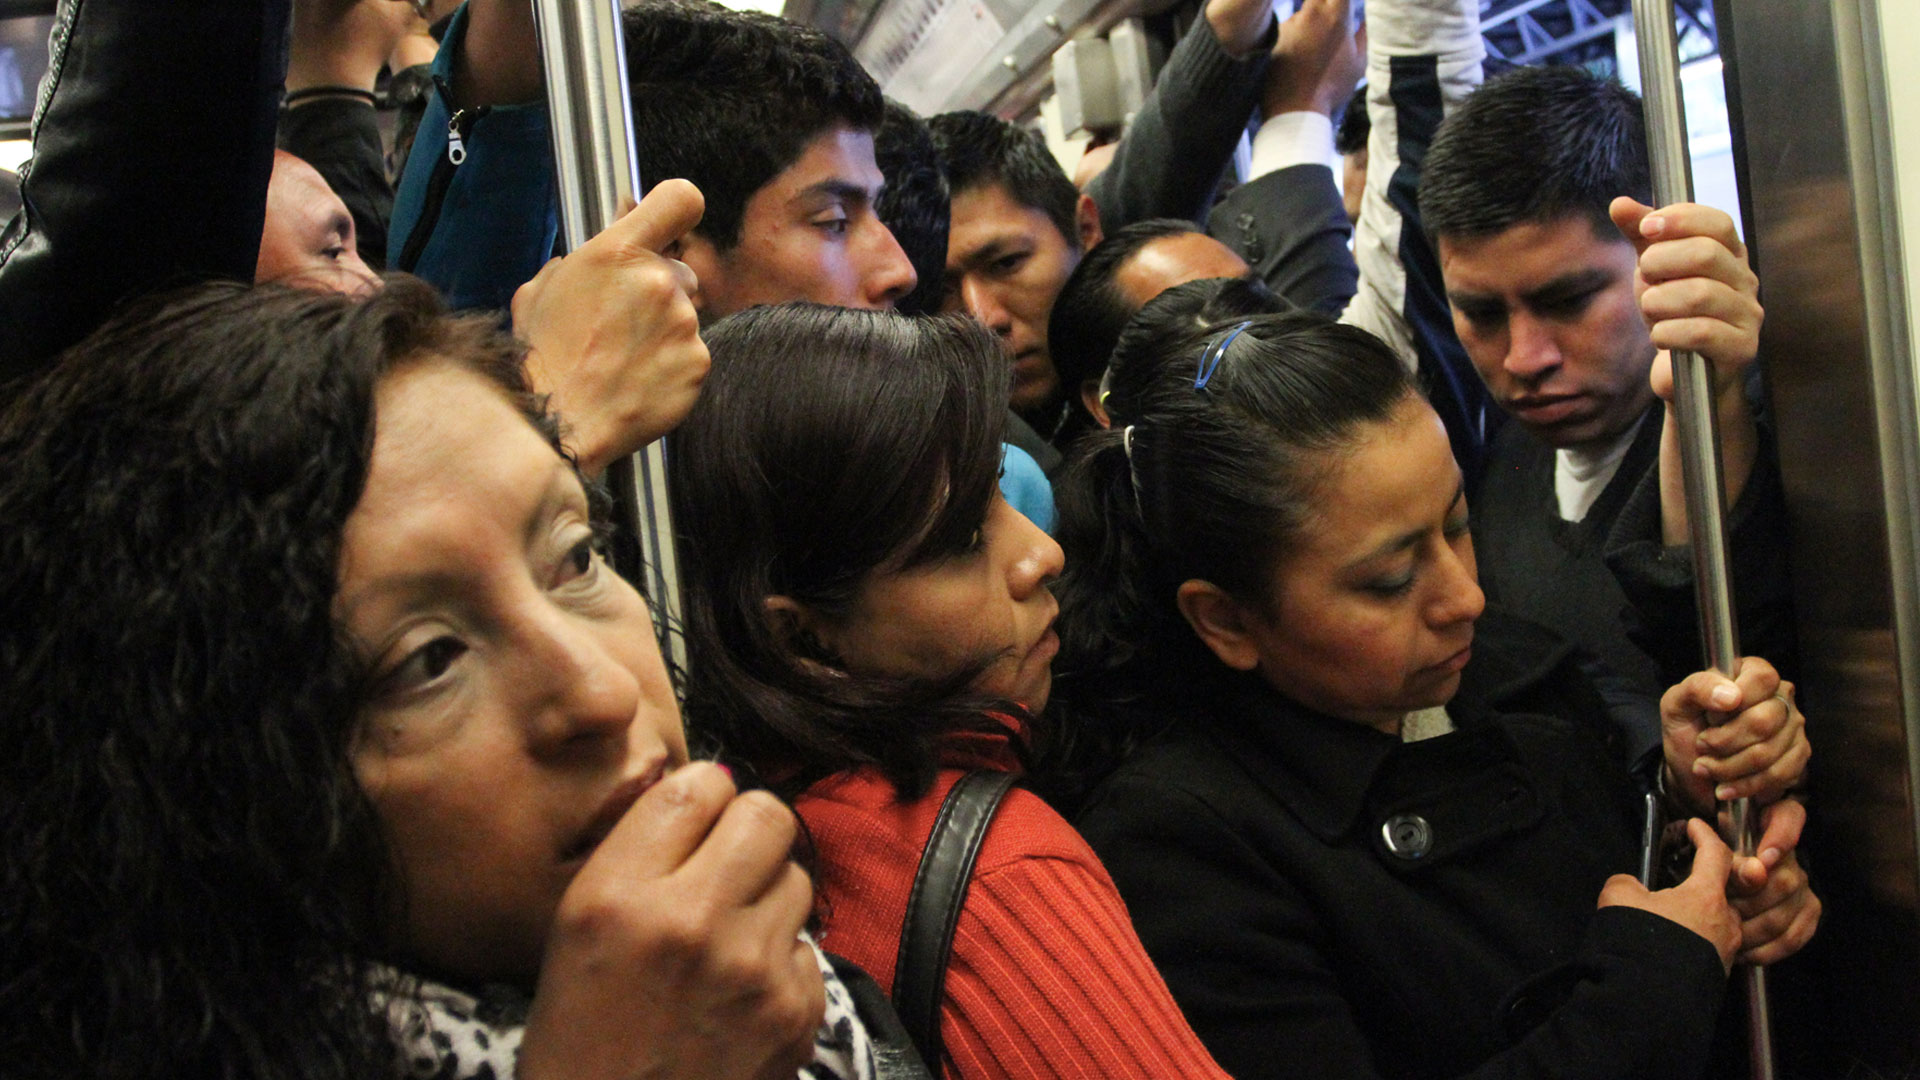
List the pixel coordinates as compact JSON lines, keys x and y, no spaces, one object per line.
{"x":1805,"y":119}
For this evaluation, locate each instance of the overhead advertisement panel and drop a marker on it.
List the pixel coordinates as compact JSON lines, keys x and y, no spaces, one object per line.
{"x":920,"y":51}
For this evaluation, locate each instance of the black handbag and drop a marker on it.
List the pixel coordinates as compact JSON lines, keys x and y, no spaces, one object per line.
{"x":933,"y":908}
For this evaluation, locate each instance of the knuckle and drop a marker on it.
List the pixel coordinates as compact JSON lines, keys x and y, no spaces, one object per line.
{"x":765,"y":813}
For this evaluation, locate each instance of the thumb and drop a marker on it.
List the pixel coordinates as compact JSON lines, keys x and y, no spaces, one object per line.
{"x":1627,"y":214}
{"x":1712,"y":859}
{"x":669,"y":212}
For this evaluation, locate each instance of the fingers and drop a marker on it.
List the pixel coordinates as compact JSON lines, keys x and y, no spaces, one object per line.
{"x":1712,"y":859}
{"x":1781,"y":929}
{"x":1760,"y":751}
{"x":669,"y":212}
{"x":668,"y":822}
{"x":1627,"y":214}
{"x":1781,"y":825}
{"x":745,"y":856}
{"x":1682,"y":220}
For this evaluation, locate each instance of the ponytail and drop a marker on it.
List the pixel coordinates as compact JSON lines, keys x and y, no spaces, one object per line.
{"x":1223,"y":431}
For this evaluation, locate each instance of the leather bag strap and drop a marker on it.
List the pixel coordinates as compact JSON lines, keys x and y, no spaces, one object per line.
{"x":933,"y":908}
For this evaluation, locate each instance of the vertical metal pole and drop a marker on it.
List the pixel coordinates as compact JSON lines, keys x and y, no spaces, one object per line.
{"x":585,"y":59}
{"x":1699,"y":432}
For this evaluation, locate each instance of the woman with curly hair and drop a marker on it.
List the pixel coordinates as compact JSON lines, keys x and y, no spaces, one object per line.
{"x":332,"y":749}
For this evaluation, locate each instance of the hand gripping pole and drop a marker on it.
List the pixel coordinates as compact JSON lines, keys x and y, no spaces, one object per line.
{"x":584,"y":55}
{"x":1699,"y":433}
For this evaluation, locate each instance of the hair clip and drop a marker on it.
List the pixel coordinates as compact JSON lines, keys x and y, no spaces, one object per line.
{"x":1210,"y":359}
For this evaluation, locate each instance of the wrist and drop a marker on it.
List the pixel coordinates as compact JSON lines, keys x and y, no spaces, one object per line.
{"x":1239,"y":31}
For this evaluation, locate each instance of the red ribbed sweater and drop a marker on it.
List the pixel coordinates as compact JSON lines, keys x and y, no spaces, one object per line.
{"x":1047,"y":977}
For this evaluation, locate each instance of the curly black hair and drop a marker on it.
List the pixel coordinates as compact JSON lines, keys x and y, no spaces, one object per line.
{"x":194,"y":879}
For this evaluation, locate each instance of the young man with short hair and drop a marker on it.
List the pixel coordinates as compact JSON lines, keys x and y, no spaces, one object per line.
{"x":773,"y":122}
{"x":1520,"y":285}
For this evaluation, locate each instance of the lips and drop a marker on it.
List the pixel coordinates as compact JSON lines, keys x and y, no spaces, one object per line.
{"x":1453,"y":663}
{"x":1548,"y":408}
{"x":612,"y":809}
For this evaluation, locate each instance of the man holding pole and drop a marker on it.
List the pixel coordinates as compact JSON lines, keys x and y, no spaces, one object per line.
{"x":1531,"y":249}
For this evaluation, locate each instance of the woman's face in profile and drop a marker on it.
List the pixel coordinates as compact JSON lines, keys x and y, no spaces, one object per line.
{"x":989,"y":601}
{"x":1370,"y":614}
{"x":518,"y":704}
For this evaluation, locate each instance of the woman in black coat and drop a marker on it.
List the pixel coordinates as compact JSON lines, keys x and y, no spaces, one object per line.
{"x":1364,"y":823}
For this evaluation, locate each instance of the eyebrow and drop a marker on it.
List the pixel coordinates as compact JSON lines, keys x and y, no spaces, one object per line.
{"x":995,"y":248}
{"x":1397,"y":544}
{"x":838,"y":188}
{"x":413,"y":586}
{"x":1566,"y":285}
{"x":1569,"y":285}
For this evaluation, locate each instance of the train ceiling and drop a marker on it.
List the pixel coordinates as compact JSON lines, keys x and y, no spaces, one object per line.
{"x":993,"y":54}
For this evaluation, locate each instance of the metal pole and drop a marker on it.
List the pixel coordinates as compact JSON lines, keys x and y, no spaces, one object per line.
{"x":585,"y":59}
{"x":1699,"y":432}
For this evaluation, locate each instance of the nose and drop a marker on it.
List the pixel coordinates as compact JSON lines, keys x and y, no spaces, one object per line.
{"x":890,"y":274}
{"x":1532,"y":351}
{"x":1037,"y":560}
{"x":1457,"y":597}
{"x":579,"y":692}
{"x":984,"y":304}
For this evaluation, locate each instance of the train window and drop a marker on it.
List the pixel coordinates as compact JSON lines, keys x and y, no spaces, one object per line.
{"x":23,"y":61}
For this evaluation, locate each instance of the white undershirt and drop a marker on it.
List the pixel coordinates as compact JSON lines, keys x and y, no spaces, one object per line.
{"x":1580,"y":475}
{"x":1425,"y":724}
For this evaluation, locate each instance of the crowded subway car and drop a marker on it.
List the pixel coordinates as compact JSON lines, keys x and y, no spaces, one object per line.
{"x":959,"y":538}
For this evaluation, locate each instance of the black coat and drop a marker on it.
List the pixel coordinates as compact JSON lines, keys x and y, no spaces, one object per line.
{"x":1249,"y":841}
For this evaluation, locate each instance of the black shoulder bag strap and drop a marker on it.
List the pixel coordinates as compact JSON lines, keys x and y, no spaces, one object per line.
{"x":933,"y":908}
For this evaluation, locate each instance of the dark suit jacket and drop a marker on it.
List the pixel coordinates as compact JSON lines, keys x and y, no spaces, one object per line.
{"x":1250,"y":842}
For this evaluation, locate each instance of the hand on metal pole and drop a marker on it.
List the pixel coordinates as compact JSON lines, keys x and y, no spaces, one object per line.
{"x":584,"y":55}
{"x":1693,"y":405}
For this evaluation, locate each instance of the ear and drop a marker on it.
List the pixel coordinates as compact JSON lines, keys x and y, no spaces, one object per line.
{"x":1086,"y":220}
{"x":703,"y":259}
{"x":798,"y":629}
{"x":1220,"y":621}
{"x":1090,"y":398}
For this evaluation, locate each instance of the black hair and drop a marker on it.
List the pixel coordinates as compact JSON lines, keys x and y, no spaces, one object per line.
{"x":978,"y":148}
{"x":1090,"y":311}
{"x":730,"y":99}
{"x":915,"y":205}
{"x":1535,"y":145}
{"x":885,"y":456}
{"x":194,"y":879}
{"x":1192,"y":483}
{"x":1355,"y":125}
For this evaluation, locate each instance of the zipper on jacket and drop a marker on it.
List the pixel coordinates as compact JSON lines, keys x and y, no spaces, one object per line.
{"x":459,"y":126}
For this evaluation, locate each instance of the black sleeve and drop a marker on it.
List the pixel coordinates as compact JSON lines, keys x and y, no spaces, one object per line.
{"x":1292,"y":229}
{"x":340,"y":137}
{"x":1637,"y":1000}
{"x":152,"y":151}
{"x":1658,"y":580}
{"x":1169,"y":162}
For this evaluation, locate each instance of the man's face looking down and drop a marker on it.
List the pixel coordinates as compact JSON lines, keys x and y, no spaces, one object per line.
{"x":1549,"y":316}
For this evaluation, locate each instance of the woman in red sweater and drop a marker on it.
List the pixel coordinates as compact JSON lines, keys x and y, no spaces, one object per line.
{"x":867,"y":620}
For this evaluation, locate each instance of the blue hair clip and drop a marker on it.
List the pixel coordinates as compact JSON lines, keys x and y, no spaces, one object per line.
{"x":1210,"y":359}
